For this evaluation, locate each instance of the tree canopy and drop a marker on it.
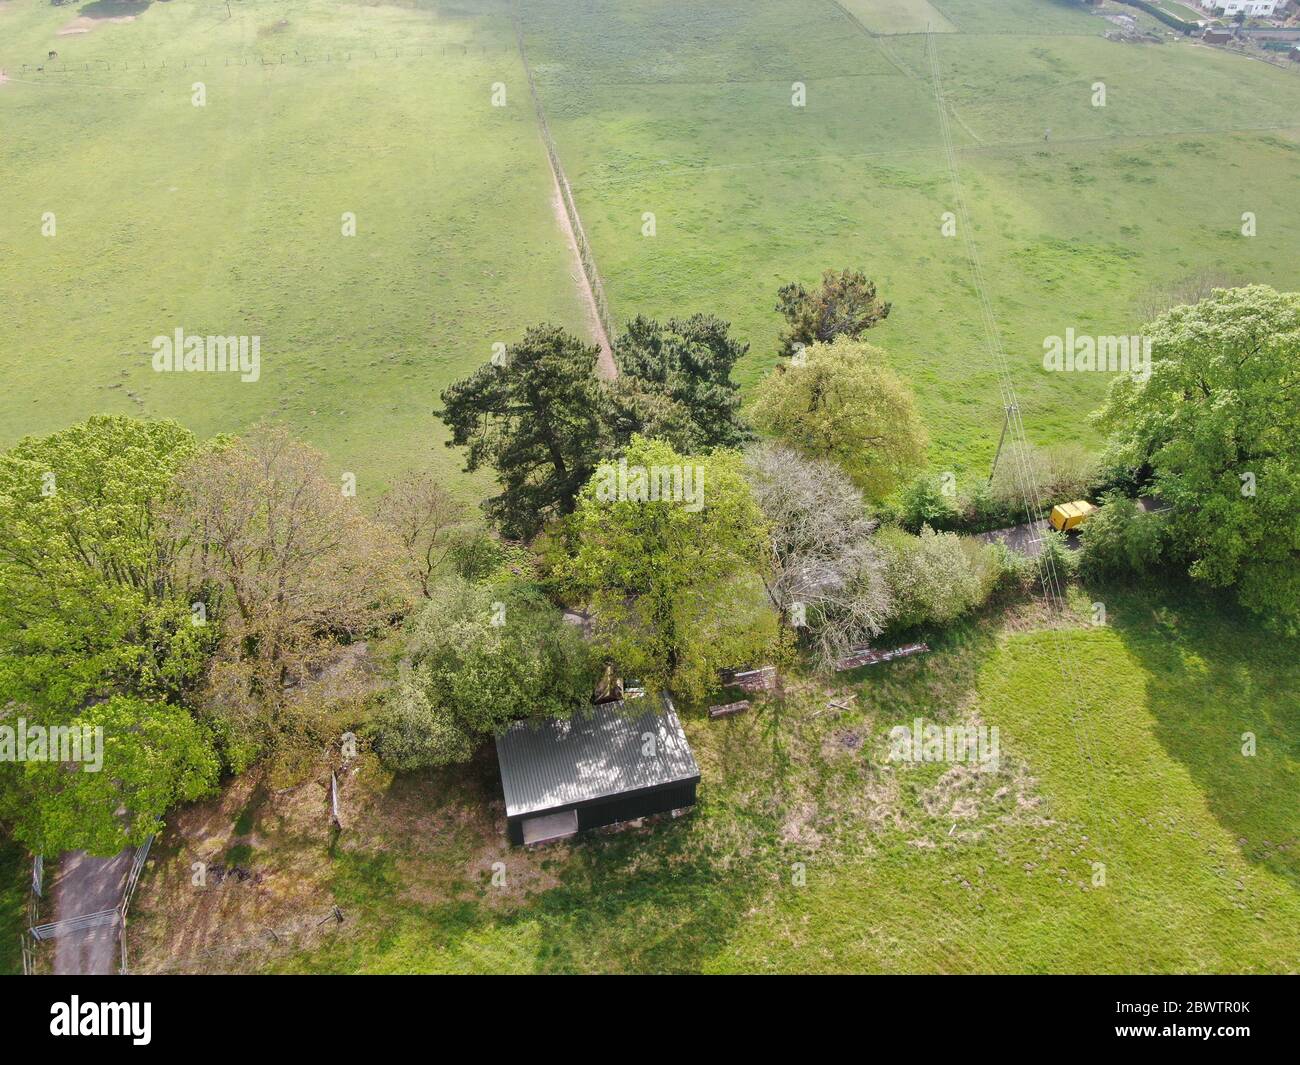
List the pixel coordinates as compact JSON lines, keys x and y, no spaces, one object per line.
{"x":675,"y":384}
{"x":537,"y":420}
{"x":845,"y":304}
{"x":1216,"y":426}
{"x":154,"y":755}
{"x":477,"y":663}
{"x":842,"y":404}
{"x":92,"y":601}
{"x":673,"y":586}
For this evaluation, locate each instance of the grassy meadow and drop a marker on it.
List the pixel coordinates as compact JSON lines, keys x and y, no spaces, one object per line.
{"x":749,"y":191}
{"x":227,"y":218}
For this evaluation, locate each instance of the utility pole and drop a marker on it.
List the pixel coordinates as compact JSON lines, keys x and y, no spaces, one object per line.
{"x":1007,"y":411}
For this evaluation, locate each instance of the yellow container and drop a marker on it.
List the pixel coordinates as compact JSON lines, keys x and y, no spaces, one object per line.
{"x":1067,"y":516}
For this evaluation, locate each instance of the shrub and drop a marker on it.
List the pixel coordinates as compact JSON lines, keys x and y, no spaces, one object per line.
{"x":480,"y":658}
{"x":931,"y":576}
{"x":1119,"y":539}
{"x":924,"y":502}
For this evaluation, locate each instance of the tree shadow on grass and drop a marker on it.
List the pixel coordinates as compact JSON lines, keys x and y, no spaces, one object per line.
{"x":1215,"y":675}
{"x":113,"y":8}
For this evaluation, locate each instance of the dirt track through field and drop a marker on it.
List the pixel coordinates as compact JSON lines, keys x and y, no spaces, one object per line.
{"x":561,"y":202}
{"x":605,"y":362}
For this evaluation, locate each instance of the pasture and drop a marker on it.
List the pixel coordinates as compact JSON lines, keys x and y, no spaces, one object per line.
{"x":226,"y":218}
{"x":1079,"y":210}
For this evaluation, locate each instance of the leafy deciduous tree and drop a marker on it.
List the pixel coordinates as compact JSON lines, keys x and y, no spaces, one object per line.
{"x":153,"y":756}
{"x":293,"y":566}
{"x":674,"y":589}
{"x":1217,"y":424}
{"x":477,"y":664}
{"x":91,"y":598}
{"x":841,"y":404}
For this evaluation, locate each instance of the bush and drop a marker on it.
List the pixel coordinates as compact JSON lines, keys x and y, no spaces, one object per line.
{"x":410,"y":732}
{"x":480,"y":658}
{"x":1120,"y":539}
{"x":932,"y":577}
{"x":1004,"y":573}
{"x":924,"y":502}
{"x":1057,"y":561}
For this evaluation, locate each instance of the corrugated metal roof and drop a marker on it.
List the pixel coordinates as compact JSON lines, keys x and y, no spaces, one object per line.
{"x":598,"y":753}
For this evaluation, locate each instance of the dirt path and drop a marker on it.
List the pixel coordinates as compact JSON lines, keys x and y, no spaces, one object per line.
{"x":605,"y":363}
{"x":88,"y":885}
{"x":559,"y":187}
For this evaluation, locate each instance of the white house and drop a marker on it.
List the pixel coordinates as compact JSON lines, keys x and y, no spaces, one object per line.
{"x":1251,"y":8}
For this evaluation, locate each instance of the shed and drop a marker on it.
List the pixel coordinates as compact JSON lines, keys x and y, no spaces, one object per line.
{"x":605,"y":765}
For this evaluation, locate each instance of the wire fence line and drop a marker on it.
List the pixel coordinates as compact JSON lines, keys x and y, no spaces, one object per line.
{"x":585,"y":255}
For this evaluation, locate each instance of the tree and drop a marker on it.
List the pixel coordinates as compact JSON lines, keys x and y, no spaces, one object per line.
{"x":845,"y":305}
{"x":536,"y":420}
{"x":841,"y":404}
{"x":148,"y":756}
{"x":1216,"y":426}
{"x":675,"y":384}
{"x":293,"y":565}
{"x":826,"y":573}
{"x":477,"y":663}
{"x":931,"y":577}
{"x":672,"y":577}
{"x":92,"y":601}
{"x":424,"y":518}
{"x":1120,"y":539}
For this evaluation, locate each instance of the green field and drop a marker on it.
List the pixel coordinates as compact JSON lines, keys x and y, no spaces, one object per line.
{"x":749,"y":191}
{"x":226,"y":219}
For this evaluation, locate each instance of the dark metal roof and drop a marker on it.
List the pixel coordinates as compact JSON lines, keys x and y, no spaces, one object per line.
{"x":595,"y":754}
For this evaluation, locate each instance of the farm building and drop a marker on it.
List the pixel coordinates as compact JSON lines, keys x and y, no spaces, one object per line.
{"x":607,"y":765}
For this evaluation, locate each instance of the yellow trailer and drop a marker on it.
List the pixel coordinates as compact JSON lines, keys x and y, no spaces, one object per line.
{"x":1067,"y":516}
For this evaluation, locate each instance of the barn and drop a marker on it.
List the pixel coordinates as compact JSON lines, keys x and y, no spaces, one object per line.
{"x":611,"y":763}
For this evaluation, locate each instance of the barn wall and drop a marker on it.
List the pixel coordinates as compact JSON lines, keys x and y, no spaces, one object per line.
{"x":616,"y":808}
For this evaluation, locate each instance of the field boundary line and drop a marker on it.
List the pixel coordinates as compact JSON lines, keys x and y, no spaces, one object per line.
{"x":595,"y":290}
{"x":875,"y":38}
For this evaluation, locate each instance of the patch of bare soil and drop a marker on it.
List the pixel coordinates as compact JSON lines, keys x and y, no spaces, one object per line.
{"x":85,"y":25}
{"x":218,"y":899}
